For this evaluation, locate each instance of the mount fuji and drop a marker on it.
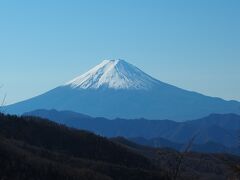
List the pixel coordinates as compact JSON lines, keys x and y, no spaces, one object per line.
{"x":117,"y":89}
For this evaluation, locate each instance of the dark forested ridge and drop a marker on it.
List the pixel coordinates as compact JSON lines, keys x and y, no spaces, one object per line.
{"x":58,"y":138}
{"x":39,"y":149}
{"x":33,"y":148}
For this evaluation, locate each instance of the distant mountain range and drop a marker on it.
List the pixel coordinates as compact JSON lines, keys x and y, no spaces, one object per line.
{"x":208,"y":147}
{"x":214,"y":133}
{"x":116,"y":88}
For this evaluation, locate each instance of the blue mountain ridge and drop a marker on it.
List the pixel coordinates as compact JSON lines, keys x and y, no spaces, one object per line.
{"x":217,"y":132}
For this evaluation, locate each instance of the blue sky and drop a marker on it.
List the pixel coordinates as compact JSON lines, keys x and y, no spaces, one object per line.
{"x":191,"y":44}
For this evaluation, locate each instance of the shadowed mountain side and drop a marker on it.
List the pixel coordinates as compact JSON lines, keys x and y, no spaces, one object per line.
{"x":49,"y":135}
{"x":34,"y":148}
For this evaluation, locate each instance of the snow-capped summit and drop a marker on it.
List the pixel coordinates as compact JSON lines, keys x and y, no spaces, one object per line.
{"x":113,"y":74}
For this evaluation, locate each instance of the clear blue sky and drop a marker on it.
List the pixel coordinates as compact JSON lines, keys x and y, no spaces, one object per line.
{"x":193,"y":44}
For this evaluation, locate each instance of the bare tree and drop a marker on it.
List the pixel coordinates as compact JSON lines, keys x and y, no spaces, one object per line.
{"x":3,"y":101}
{"x":235,"y":167}
{"x":180,"y":158}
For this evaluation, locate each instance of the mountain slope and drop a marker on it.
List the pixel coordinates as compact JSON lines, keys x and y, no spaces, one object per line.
{"x":34,"y":148}
{"x":116,"y":88}
{"x":216,"y":128}
{"x":82,"y":144}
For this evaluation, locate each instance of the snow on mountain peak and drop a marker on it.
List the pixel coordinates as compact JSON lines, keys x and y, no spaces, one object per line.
{"x":113,"y":74}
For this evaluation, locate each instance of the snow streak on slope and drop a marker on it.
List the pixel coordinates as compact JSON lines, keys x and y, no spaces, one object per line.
{"x":114,"y":74}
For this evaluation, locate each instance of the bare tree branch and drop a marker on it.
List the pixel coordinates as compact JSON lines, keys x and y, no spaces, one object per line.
{"x":182,"y":156}
{"x":3,"y":101}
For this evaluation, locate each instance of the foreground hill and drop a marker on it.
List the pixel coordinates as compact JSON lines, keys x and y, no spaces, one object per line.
{"x":33,"y":148}
{"x":116,"y":88}
{"x":59,"y":138}
{"x":217,"y":131}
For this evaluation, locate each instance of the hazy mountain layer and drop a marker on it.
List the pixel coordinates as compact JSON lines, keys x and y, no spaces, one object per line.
{"x":214,"y":129}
